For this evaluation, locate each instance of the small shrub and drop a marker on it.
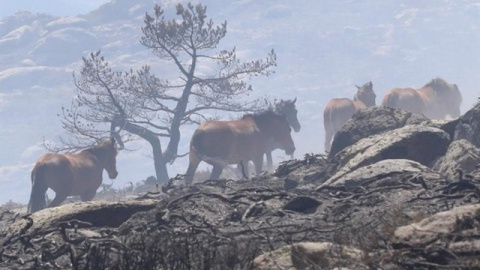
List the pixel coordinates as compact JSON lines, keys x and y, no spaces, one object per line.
{"x":11,"y":205}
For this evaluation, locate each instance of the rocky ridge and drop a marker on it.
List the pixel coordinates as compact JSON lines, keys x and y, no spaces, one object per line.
{"x":405,"y":196}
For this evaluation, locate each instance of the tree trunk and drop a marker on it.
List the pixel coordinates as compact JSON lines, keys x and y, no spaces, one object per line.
{"x":159,"y":161}
{"x":172,"y":148}
{"x":158,"y":158}
{"x":171,"y":152}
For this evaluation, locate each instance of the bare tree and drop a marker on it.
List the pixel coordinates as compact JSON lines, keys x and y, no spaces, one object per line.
{"x":136,"y":103}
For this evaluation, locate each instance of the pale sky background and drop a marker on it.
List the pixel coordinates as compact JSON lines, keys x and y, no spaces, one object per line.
{"x":52,"y":7}
{"x":424,"y":40}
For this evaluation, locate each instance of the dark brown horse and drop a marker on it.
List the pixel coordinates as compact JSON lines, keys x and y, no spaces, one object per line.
{"x":287,"y":108}
{"x":220,"y":143}
{"x":435,"y":100}
{"x":72,"y":174}
{"x":340,"y":110}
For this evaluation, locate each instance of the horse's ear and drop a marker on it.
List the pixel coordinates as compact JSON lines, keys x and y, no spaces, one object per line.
{"x":358,"y":87}
{"x":295,"y":100}
{"x":369,"y":86}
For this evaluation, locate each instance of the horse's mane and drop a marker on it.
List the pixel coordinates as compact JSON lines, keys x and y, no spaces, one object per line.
{"x":261,"y":114}
{"x":101,"y":149}
{"x":439,"y":85}
{"x":280,"y":106}
{"x":263,"y":117}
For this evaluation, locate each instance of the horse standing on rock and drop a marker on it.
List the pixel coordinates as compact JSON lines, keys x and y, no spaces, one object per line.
{"x":220,"y":143}
{"x":435,"y":100}
{"x":340,"y":110}
{"x":72,"y":174}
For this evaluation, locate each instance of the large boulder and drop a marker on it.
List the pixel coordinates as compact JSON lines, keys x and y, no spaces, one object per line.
{"x":461,"y":155}
{"x":371,"y":121}
{"x":461,"y":221}
{"x":95,"y":213}
{"x":414,"y":142}
{"x":468,"y":126}
{"x":377,"y":171}
{"x":443,"y":238}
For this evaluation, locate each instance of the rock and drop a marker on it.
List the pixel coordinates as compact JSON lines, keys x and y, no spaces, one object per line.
{"x":96,"y":213}
{"x":289,"y":184}
{"x":414,"y":142}
{"x":446,"y":125}
{"x":468,"y":126}
{"x":455,"y":230}
{"x":369,"y":189}
{"x":310,"y":255}
{"x":226,"y":224}
{"x":372,"y":121}
{"x":461,"y":154}
{"x":377,"y":170}
{"x":277,"y":259}
{"x":296,"y":171}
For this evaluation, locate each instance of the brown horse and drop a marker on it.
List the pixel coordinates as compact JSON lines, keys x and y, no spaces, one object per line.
{"x":435,"y":100}
{"x":220,"y":143}
{"x":72,"y":174}
{"x":287,"y":108}
{"x":340,"y":110}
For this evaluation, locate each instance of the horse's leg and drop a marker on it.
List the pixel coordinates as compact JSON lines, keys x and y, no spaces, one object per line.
{"x":216,"y":172}
{"x":88,"y":196}
{"x":327,"y":123}
{"x":268,"y":155}
{"x":59,"y":198}
{"x":192,"y":166}
{"x":239,"y":171}
{"x":243,"y":169}
{"x":328,"y":139}
{"x":258,"y":162}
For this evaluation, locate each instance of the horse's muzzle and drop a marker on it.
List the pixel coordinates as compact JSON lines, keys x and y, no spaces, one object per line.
{"x":113,"y":175}
{"x":297,"y":127}
{"x":289,"y":151}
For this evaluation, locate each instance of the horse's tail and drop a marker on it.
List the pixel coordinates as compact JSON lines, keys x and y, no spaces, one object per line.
{"x":196,"y":144}
{"x":39,"y":187}
{"x":327,"y":119}
{"x":391,"y":100}
{"x":328,"y":126}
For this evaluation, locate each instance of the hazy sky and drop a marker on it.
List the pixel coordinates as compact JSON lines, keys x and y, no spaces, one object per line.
{"x":52,"y":7}
{"x":392,"y":44}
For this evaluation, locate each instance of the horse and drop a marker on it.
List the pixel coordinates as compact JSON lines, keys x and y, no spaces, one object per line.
{"x":220,"y":143}
{"x":435,"y":100}
{"x":340,"y":110}
{"x":287,"y":108}
{"x":72,"y":174}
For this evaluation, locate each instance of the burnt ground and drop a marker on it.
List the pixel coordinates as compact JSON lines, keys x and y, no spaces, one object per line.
{"x":225,"y":224}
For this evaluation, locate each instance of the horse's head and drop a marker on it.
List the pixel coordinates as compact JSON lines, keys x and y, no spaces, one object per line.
{"x":448,"y":96}
{"x":277,"y":126}
{"x":287,"y":108}
{"x":109,"y":156}
{"x":452,"y":100}
{"x":455,"y":102}
{"x":366,"y":94}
